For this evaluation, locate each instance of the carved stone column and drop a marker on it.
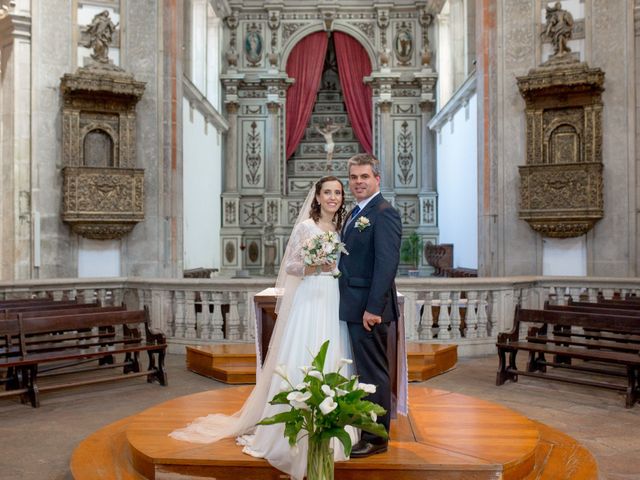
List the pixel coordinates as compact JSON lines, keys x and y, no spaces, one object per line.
{"x":273,"y":135}
{"x":15,"y":154}
{"x":230,"y":167}
{"x":386,"y":147}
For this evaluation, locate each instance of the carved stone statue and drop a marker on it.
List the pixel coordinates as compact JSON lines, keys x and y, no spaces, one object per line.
{"x":385,"y":57}
{"x":100,"y":32}
{"x":559,"y":29}
{"x":327,"y":131}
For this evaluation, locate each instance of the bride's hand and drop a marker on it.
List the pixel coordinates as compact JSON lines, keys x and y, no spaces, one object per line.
{"x":329,"y":267}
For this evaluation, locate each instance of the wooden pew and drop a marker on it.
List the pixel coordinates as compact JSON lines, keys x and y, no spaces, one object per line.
{"x":566,"y":343}
{"x":54,"y":340}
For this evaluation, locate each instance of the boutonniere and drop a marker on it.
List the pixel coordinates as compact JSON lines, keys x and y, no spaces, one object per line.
{"x":362,"y":223}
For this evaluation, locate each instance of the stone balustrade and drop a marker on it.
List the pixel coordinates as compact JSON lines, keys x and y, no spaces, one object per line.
{"x":466,"y":311}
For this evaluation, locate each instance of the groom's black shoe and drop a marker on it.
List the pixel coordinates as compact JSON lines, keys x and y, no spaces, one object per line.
{"x":365,"y":449}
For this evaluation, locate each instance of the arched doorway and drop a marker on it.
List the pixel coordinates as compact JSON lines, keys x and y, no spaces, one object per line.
{"x":329,"y":108}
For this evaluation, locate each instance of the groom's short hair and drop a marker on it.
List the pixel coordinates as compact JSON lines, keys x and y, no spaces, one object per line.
{"x":365,"y":159}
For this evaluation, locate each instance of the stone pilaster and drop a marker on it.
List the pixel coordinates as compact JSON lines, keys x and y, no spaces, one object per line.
{"x":15,"y":151}
{"x":386,"y":147}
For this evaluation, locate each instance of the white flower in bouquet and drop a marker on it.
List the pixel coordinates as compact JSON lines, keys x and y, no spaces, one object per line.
{"x":323,"y":249}
{"x":325,"y":403}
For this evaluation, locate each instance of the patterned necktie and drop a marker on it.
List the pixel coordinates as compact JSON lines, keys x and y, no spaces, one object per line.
{"x":354,"y":213}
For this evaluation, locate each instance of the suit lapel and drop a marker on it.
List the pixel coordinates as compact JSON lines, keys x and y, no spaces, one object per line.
{"x":351,"y":226}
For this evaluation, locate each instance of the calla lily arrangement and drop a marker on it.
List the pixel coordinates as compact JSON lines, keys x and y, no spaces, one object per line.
{"x":324,"y":403}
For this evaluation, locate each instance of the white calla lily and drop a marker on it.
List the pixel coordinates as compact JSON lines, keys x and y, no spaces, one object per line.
{"x":344,"y":361}
{"x":328,"y":405}
{"x":315,"y":374}
{"x":367,"y":387}
{"x":374,"y":416}
{"x":281,"y":371}
{"x":326,"y":389}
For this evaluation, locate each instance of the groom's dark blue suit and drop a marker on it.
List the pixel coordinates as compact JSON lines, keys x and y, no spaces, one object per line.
{"x":368,"y":283}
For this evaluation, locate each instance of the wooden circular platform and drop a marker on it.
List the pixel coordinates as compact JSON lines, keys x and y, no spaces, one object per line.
{"x":446,"y":436}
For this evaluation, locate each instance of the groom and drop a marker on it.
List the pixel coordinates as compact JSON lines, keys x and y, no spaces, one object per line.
{"x":368,"y":301}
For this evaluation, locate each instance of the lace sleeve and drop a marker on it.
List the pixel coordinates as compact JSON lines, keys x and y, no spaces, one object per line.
{"x":294,"y":264}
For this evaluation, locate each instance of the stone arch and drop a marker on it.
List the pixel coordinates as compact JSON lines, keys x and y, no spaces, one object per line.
{"x":337,"y":26}
{"x":563,"y":139}
{"x":108,"y":132}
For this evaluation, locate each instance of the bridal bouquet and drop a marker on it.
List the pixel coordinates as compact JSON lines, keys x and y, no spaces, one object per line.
{"x":323,"y":249}
{"x":322,"y":405}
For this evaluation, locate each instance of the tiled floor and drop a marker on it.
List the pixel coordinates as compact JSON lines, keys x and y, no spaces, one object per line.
{"x":38,"y":443}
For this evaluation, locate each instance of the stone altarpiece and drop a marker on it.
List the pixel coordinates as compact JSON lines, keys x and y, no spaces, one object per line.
{"x":263,"y":192}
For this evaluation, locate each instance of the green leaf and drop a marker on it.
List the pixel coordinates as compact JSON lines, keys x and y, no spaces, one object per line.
{"x":342,"y":435}
{"x":318,"y":361}
{"x":280,"y":398}
{"x":283,"y":417}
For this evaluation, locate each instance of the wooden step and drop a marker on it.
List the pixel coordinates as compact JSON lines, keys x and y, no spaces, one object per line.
{"x":445,"y":436}
{"x":427,"y":360}
{"x":235,"y":363}
{"x":228,"y":363}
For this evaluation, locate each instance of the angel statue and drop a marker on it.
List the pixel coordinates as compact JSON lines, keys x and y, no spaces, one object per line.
{"x":559,"y":29}
{"x":100,"y":32}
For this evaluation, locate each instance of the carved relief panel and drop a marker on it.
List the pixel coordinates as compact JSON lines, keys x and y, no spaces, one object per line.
{"x":252,"y":153}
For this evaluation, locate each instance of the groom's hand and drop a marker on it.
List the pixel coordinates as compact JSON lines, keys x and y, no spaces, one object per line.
{"x":369,"y":320}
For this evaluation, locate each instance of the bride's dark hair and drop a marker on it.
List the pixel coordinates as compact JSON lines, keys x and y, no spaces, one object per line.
{"x":314,"y":213}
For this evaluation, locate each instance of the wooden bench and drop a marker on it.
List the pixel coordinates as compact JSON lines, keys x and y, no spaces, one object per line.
{"x":572,"y":338}
{"x":46,"y":346}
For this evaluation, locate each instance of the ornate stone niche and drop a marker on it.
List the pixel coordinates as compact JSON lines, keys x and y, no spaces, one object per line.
{"x":561,"y":183}
{"x":103,"y":194}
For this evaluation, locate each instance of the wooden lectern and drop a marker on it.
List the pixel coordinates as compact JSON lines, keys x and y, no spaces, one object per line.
{"x":265,"y":303}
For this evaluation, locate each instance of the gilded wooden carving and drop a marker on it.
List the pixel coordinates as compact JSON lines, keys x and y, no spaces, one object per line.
{"x":103,"y":192}
{"x":561,"y":183}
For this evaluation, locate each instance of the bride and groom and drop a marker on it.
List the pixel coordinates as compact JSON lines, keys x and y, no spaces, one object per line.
{"x":356,"y":312}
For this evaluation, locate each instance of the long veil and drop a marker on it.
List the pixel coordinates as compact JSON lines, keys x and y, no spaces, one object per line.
{"x":214,"y":427}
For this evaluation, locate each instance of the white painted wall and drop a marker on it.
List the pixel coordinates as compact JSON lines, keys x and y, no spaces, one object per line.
{"x":202,"y":190}
{"x":564,"y":256}
{"x":98,"y":258}
{"x":458,"y":184}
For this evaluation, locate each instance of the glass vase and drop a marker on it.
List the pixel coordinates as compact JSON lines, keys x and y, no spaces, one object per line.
{"x":319,"y":459}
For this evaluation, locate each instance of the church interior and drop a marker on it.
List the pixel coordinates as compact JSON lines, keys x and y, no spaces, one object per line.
{"x":154,"y":157}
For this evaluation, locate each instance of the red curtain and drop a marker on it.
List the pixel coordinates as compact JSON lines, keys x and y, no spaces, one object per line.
{"x":305,"y":65}
{"x":353,"y":66}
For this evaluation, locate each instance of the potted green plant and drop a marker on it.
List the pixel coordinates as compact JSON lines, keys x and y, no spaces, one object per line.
{"x":410,"y":252}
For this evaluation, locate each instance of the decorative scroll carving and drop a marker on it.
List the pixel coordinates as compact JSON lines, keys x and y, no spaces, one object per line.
{"x":366,"y":27}
{"x":252,"y":213}
{"x":232,"y":53}
{"x":429,"y":211}
{"x":289,"y":29}
{"x":272,"y":211}
{"x":253,"y":158}
{"x":561,"y":184}
{"x":230,"y":212}
{"x":405,"y":154}
{"x":407,"y":211}
{"x":103,"y":203}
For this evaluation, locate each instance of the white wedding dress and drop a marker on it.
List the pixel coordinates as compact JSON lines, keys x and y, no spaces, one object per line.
{"x":312,"y":319}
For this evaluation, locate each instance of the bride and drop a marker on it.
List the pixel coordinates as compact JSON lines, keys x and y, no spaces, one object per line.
{"x":307,"y":317}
